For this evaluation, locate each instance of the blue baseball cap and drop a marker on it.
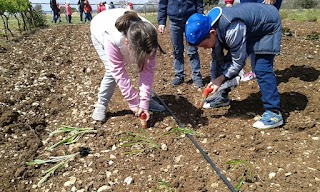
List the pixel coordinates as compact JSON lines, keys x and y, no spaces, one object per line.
{"x":198,"y":25}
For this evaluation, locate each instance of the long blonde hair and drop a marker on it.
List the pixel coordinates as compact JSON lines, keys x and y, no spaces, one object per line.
{"x":142,"y":37}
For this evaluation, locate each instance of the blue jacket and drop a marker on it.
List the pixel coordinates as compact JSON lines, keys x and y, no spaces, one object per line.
{"x":178,"y":10}
{"x":263,"y":26}
{"x":262,"y":35}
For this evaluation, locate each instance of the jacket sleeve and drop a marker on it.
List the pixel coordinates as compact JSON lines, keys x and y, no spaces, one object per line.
{"x":162,"y":12}
{"x":200,"y":6}
{"x":237,"y":42}
{"x":145,"y":82}
{"x":119,"y":73}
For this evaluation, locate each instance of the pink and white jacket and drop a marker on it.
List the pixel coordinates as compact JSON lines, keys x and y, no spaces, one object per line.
{"x":103,"y":29}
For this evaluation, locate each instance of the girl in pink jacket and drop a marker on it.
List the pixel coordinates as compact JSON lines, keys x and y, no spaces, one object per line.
{"x":124,"y":39}
{"x":68,"y":12}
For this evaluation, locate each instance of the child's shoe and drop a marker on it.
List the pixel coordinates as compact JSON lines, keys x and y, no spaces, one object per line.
{"x":177,"y":81}
{"x":99,"y":113}
{"x":249,"y":76}
{"x":219,"y":101}
{"x":269,"y":120}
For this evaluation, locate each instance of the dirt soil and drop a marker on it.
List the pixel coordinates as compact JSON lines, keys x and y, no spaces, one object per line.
{"x":50,"y":78}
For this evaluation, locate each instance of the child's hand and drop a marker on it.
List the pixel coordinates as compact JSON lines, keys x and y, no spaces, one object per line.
{"x":145,"y":111}
{"x":161,"y":29}
{"x":216,"y":83}
{"x":272,"y":2}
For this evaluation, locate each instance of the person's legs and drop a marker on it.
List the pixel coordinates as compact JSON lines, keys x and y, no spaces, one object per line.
{"x":81,"y":16}
{"x":52,"y":12}
{"x":176,"y":35}
{"x":270,"y":96}
{"x":85,"y":17}
{"x":55,"y":15}
{"x":195,"y":65}
{"x":107,"y":84}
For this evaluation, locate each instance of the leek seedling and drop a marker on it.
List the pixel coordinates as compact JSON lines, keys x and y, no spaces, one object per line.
{"x":163,"y":187}
{"x":247,"y":171}
{"x":74,"y":135}
{"x":186,"y":131}
{"x":63,"y":161}
{"x":139,"y":140}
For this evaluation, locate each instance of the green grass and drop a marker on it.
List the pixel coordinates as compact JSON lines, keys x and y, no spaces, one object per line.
{"x":311,"y":15}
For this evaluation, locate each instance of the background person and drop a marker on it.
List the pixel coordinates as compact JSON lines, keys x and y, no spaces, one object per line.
{"x":87,"y":9}
{"x":101,"y":7}
{"x":54,"y":8}
{"x":68,"y":12}
{"x":111,"y":5}
{"x":81,"y":7}
{"x":179,"y":12}
{"x":240,"y":31}
{"x":124,"y":39}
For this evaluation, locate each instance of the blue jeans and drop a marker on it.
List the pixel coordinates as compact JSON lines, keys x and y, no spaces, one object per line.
{"x":267,"y":81}
{"x":87,"y":16}
{"x":177,"y":29}
{"x":108,"y":83}
{"x":55,"y":15}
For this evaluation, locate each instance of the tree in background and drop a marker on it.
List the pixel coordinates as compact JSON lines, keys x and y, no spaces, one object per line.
{"x":305,"y":4}
{"x":17,"y":8}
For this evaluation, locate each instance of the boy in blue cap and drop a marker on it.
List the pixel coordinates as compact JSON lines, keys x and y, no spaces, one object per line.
{"x":242,"y":30}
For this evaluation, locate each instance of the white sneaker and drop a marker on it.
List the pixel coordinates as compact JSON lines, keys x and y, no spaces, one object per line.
{"x":99,"y":113}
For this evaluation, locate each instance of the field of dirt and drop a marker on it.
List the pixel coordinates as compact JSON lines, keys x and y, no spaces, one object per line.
{"x":50,"y":79}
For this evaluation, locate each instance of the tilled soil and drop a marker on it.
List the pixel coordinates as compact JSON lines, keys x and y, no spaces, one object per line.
{"x":50,"y":79}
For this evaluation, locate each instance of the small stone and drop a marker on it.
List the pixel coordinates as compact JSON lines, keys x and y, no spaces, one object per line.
{"x":288,"y":174}
{"x":128,"y":180}
{"x":272,"y":175}
{"x":164,"y":147}
{"x":103,"y":188}
{"x":73,"y":189}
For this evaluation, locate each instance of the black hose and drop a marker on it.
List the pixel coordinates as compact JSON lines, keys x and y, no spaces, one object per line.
{"x":204,"y":154}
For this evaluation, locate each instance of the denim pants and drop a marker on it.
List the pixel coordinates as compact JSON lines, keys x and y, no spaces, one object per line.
{"x":177,"y":29}
{"x":81,"y":16}
{"x":108,"y":83}
{"x":267,"y":81}
{"x":87,"y":16}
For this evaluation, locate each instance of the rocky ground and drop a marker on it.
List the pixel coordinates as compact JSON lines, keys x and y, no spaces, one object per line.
{"x":50,"y":79}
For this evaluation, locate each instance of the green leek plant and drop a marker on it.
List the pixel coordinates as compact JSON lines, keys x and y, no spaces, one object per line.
{"x":74,"y":134}
{"x":141,"y":141}
{"x":186,"y":131}
{"x":163,"y":187}
{"x":246,"y":168}
{"x":61,"y":161}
